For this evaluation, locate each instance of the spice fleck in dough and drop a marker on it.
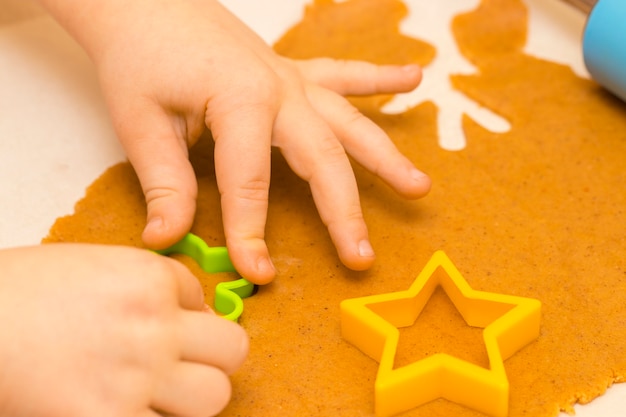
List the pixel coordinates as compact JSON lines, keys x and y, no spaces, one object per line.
{"x":537,"y":212}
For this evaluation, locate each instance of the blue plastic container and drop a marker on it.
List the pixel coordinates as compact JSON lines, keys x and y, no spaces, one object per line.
{"x":604,"y":45}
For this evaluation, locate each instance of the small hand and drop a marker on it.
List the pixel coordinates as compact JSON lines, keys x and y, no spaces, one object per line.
{"x":170,"y":70}
{"x":110,"y":331}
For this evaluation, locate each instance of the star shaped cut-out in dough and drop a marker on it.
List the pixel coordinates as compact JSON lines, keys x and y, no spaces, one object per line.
{"x":371,"y":324}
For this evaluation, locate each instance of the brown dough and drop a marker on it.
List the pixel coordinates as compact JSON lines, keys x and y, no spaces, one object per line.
{"x":537,"y":212}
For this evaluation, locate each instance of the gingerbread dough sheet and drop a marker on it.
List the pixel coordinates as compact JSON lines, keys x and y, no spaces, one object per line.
{"x":528,"y":200}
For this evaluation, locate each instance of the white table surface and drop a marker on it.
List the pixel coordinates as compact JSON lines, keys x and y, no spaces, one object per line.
{"x":56,"y":138}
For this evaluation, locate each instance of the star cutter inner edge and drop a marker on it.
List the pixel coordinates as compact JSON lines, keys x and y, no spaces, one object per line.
{"x":371,"y":324}
{"x":229,"y":295}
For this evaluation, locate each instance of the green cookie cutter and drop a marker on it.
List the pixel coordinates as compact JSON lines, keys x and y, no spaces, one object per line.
{"x":229,"y":295}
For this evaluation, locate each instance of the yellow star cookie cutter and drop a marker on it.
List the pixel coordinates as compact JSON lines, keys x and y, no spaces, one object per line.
{"x":371,"y":324}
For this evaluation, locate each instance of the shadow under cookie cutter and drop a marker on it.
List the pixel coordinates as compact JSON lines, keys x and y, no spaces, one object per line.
{"x":229,"y":295}
{"x":371,"y":324}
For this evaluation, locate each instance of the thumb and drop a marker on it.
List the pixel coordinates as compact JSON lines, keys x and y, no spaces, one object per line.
{"x":161,"y":161}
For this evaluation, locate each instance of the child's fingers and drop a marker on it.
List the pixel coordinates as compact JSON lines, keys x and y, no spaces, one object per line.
{"x":189,"y":289}
{"x":368,"y":144}
{"x":315,"y":154}
{"x":192,"y":390}
{"x":159,"y":156}
{"x":348,"y":77}
{"x":212,"y":340}
{"x":242,"y":135}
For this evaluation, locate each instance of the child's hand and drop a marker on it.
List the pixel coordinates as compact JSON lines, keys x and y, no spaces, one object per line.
{"x":109,"y":331}
{"x":170,"y":69}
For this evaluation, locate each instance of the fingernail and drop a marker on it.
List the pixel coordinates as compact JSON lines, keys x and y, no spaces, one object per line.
{"x":155,"y":223}
{"x":411,"y":67}
{"x":417,"y":175}
{"x":265,"y":265}
{"x":365,"y":249}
